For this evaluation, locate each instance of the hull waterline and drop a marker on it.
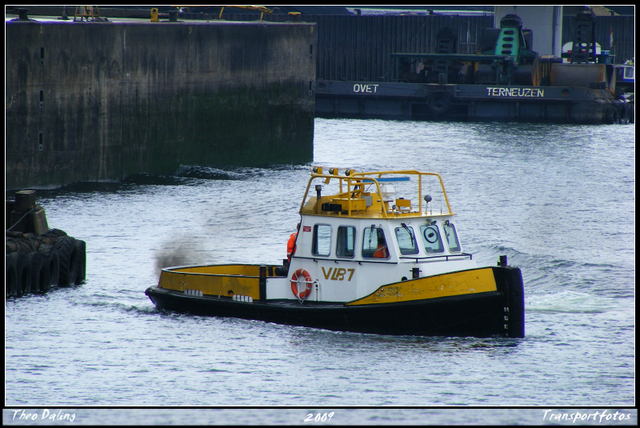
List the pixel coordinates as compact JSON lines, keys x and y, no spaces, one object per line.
{"x":498,"y":313}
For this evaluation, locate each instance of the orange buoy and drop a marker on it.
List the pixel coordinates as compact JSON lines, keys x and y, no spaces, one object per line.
{"x":298,"y":276}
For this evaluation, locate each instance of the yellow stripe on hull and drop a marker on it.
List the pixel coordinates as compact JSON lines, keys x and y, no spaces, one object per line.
{"x":432,"y":287}
{"x":246,"y":270}
{"x":237,"y":279}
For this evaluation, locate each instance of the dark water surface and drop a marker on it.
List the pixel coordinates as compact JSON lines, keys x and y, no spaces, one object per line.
{"x":558,"y":200}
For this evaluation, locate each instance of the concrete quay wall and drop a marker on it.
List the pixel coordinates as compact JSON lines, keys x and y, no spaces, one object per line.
{"x":98,"y":101}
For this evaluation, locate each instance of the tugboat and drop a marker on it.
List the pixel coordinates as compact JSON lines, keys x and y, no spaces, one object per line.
{"x":364,"y":261}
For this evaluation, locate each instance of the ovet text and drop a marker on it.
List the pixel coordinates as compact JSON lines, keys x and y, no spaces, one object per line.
{"x":369,"y":88}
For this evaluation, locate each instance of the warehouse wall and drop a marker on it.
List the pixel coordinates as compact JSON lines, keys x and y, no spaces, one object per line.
{"x":359,"y":48}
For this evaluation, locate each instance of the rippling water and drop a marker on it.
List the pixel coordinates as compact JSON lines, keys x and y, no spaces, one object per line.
{"x":558,"y":200}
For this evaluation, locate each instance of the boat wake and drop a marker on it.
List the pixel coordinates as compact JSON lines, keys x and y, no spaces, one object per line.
{"x":232,"y":173}
{"x":210,"y":173}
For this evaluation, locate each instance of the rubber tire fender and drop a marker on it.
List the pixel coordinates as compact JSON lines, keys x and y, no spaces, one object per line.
{"x":23,"y":270}
{"x":12,"y":274}
{"x":439,"y":102}
{"x":54,"y":266}
{"x":611,"y":116}
{"x":81,"y":248}
{"x":40,"y":272}
{"x":624,"y":117}
{"x":68,"y":253}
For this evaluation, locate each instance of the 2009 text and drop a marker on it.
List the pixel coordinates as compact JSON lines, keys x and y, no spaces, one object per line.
{"x":319,"y":417}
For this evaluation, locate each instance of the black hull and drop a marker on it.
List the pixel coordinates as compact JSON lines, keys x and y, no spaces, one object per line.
{"x":498,"y":313}
{"x":466,"y":102}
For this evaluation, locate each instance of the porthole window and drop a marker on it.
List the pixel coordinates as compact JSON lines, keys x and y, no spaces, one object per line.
{"x":431,"y":239}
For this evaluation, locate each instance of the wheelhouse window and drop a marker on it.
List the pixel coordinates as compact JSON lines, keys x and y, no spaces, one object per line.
{"x":628,"y":72}
{"x":374,"y":243}
{"x":346,"y":241}
{"x":406,"y":240}
{"x":321,"y":240}
{"x":431,"y":239}
{"x":451,"y":236}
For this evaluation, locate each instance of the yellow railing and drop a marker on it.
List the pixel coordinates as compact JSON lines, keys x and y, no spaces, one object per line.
{"x":355,"y":181}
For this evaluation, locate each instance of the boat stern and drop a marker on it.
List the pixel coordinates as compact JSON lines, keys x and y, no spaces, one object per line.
{"x":510,"y":285}
{"x":476,"y":302}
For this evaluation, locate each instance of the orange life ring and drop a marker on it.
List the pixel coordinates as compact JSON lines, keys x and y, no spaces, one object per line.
{"x":294,"y":283}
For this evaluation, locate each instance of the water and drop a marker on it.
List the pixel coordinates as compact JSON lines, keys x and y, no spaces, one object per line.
{"x":558,"y":200}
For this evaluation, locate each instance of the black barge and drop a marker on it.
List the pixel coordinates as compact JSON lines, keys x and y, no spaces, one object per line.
{"x":505,"y":82}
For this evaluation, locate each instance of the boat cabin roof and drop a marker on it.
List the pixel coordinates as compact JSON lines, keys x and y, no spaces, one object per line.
{"x":378,"y":194}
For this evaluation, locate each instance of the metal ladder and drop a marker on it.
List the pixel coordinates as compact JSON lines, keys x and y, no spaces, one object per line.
{"x":584,"y":48}
{"x":87,"y":13}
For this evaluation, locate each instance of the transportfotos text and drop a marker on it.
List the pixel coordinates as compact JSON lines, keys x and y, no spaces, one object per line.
{"x":597,"y":416}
